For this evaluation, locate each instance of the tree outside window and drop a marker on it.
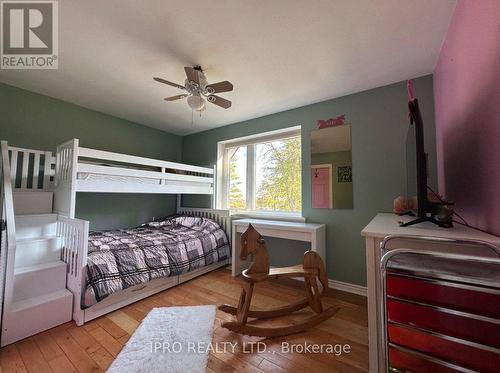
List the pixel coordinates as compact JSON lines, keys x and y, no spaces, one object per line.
{"x":265,"y":176}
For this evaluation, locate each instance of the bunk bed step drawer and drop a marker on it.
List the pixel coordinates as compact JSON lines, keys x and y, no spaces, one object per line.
{"x":456,"y":351}
{"x":444,"y":321}
{"x":443,"y":294}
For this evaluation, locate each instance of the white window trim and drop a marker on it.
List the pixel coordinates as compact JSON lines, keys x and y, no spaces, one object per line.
{"x":222,"y":174}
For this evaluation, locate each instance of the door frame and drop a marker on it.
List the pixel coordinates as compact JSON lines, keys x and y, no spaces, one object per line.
{"x":329,"y":166}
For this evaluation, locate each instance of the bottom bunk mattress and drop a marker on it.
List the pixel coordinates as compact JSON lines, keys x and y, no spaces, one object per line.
{"x":119,"y":259}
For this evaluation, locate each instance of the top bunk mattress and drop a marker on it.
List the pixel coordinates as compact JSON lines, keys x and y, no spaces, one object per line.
{"x":119,"y":259}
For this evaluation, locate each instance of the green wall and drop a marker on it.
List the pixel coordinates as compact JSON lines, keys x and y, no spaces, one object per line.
{"x":35,"y":121}
{"x":379,"y":124}
{"x":379,"y":120}
{"x":342,"y":193}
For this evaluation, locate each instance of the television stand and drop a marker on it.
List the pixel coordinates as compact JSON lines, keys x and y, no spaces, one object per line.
{"x":425,"y":219}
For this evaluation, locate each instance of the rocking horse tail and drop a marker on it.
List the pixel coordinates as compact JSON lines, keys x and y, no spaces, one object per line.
{"x":312,"y":260}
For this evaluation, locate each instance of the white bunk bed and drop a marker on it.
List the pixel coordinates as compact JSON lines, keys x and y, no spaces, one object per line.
{"x":79,"y":169}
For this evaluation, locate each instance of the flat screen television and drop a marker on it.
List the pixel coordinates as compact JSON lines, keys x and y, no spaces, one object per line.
{"x":416,"y":163}
{"x":416,"y":172}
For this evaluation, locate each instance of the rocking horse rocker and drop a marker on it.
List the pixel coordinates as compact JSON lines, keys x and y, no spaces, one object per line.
{"x":311,"y":270}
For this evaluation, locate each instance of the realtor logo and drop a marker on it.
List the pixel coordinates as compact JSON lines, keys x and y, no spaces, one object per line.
{"x":29,"y":35}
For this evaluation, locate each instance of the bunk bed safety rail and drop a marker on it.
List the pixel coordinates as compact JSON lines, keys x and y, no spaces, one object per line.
{"x":74,"y":235}
{"x":141,"y":161}
{"x":31,"y":169}
{"x":108,"y":172}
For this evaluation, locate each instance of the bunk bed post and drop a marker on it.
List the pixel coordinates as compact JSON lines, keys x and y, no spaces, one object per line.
{"x":214,"y":188}
{"x":162,"y":181}
{"x":179,"y":203}
{"x":65,"y":178}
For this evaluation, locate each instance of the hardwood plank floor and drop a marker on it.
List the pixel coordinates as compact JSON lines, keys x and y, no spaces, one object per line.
{"x":92,"y":347}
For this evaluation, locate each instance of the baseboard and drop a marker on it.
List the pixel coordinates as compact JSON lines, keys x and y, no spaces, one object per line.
{"x":338,"y":285}
{"x":345,"y":286}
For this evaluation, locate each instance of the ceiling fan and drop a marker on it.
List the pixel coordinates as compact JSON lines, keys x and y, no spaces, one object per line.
{"x":199,"y":91}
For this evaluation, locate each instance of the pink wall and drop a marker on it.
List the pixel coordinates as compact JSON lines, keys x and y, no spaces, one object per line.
{"x":467,"y":104}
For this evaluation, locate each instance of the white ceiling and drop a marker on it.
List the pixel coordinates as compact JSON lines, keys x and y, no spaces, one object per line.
{"x":279,"y":54}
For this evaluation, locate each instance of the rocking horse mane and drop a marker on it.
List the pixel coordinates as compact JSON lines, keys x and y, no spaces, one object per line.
{"x":252,"y":243}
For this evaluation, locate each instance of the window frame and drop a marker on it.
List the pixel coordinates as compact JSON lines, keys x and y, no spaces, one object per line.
{"x":222,"y":181}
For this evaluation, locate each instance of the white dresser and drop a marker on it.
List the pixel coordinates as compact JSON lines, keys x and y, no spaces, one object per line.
{"x":386,"y":224}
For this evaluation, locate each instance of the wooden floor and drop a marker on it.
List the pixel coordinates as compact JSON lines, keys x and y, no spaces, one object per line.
{"x":92,"y":347}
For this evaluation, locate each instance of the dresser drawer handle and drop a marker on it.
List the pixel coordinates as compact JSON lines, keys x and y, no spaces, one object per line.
{"x":141,"y":288}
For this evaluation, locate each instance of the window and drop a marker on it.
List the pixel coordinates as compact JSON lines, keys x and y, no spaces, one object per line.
{"x":261,"y":173}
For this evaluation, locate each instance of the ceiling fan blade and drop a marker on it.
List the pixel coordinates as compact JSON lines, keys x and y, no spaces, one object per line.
{"x":169,"y":83}
{"x":192,"y":74}
{"x":224,"y":86}
{"x":219,"y":101}
{"x":173,"y":98}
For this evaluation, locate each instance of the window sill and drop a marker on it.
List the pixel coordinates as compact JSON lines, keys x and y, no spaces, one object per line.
{"x":269,"y":215}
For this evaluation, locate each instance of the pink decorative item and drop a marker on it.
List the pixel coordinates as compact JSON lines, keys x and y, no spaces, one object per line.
{"x":332,"y":122}
{"x":410,"y":90}
{"x":411,"y":93}
{"x":400,"y":205}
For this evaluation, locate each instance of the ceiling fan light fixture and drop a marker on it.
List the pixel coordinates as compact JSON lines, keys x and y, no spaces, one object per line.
{"x":198,"y":91}
{"x":196,"y":102}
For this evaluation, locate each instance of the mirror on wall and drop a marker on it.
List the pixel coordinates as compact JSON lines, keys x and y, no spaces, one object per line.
{"x":331,"y":168}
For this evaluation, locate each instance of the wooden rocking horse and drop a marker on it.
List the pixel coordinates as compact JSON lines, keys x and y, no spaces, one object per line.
{"x":311,"y":270}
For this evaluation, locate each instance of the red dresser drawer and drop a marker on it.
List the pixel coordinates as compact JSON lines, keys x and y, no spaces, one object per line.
{"x":468,"y":328}
{"x":410,"y":362}
{"x":466,"y":300}
{"x":451,"y":351}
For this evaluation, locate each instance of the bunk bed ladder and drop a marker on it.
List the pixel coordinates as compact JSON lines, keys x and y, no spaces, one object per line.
{"x":35,"y":297}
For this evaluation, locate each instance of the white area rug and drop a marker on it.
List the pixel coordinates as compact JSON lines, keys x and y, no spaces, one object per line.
{"x":170,"y":339}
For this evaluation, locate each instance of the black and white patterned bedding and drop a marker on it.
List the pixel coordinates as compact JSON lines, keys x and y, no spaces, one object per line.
{"x":119,"y":259}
